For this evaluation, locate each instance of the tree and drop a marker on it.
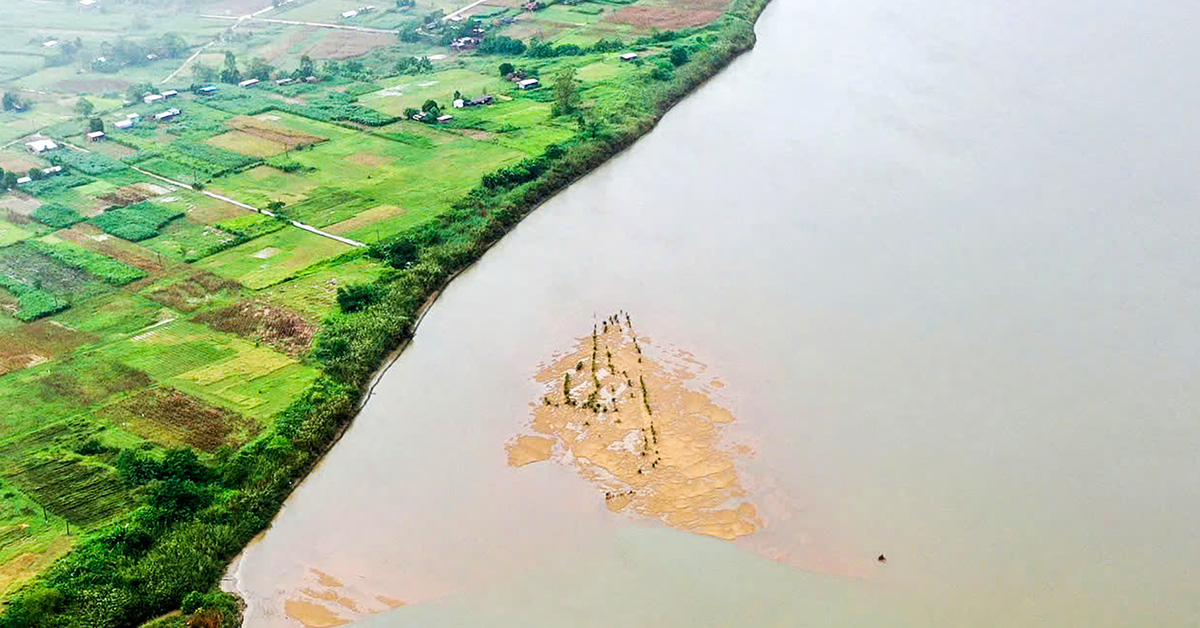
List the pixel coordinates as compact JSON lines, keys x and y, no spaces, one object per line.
{"x":679,"y":55}
{"x":36,"y":174}
{"x":356,"y":297}
{"x":429,"y":106}
{"x":506,"y":69}
{"x":11,"y":102}
{"x":84,"y":107}
{"x":409,"y":112}
{"x":306,"y":66}
{"x":566,"y":92}
{"x":203,"y":73}
{"x":501,"y":45}
{"x":663,"y":70}
{"x":95,"y":124}
{"x":137,"y":90}
{"x":10,"y":180}
{"x":410,"y":31}
{"x":230,"y":73}
{"x":174,"y":45}
{"x":259,"y":69}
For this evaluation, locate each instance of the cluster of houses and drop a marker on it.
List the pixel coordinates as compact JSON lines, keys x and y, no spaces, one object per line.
{"x":153,"y":98}
{"x":522,"y":80}
{"x":424,"y":117}
{"x":39,"y":147}
{"x":474,"y":102}
{"x":346,"y":15}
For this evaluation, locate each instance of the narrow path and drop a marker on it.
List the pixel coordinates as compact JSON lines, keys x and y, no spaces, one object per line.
{"x":294,"y":223}
{"x":466,"y":8}
{"x":189,"y":60}
{"x":239,"y":20}
{"x":344,"y":27}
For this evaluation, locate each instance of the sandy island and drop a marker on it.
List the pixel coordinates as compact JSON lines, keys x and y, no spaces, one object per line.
{"x":630,"y":426}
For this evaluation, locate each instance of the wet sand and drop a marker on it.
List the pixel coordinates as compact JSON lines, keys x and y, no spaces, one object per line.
{"x":631,"y":426}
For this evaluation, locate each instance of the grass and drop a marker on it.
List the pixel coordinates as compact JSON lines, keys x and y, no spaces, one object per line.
{"x":272,"y":258}
{"x":136,"y":222}
{"x":11,"y":234}
{"x":106,"y":268}
{"x":188,"y":241}
{"x":315,"y":290}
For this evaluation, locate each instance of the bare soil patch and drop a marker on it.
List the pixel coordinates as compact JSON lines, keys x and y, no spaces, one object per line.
{"x":277,"y":326}
{"x":93,"y":238}
{"x":347,"y":44}
{"x":37,"y":342}
{"x":193,"y":292}
{"x":128,"y":195}
{"x":168,"y":416}
{"x":663,"y":17}
{"x":12,"y":162}
{"x":369,"y":160}
{"x":20,"y":205}
{"x":265,"y":129}
{"x":367,"y":218}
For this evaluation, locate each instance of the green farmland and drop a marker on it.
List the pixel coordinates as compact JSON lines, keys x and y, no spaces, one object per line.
{"x":198,"y":277}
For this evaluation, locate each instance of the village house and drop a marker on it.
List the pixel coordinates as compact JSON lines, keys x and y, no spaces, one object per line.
{"x":123,"y":124}
{"x":151,"y":98}
{"x":24,"y":180}
{"x":170,"y":93}
{"x":529,"y":84}
{"x":349,"y":14}
{"x":207,"y":90}
{"x":52,"y":170}
{"x":629,"y":56}
{"x":134,"y":117}
{"x":248,"y":83}
{"x":445,"y":118}
{"x":95,"y":136}
{"x":169,"y":114}
{"x":38,"y":147}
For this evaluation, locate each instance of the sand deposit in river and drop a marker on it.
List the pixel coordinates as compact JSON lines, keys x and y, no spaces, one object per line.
{"x":651,"y":445}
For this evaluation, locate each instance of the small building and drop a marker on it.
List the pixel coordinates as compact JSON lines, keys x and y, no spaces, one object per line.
{"x":348,"y":14}
{"x":248,"y":83}
{"x":133,"y":117}
{"x":486,"y":99}
{"x":95,"y":136}
{"x":87,"y":3}
{"x":50,"y":43}
{"x":40,"y":146}
{"x":285,"y":81}
{"x":123,"y":124}
{"x":151,"y":98}
{"x":529,"y":84}
{"x":170,"y":93}
{"x":207,"y":90}
{"x":52,"y":170}
{"x":455,"y":18}
{"x":459,"y":103}
{"x":420,"y":116}
{"x":151,"y":57}
{"x":23,"y":180}
{"x":629,"y":56}
{"x":445,"y":118}
{"x":312,"y":79}
{"x":168,"y":115}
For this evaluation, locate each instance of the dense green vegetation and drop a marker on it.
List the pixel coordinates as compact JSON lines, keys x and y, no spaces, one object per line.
{"x":136,"y":222}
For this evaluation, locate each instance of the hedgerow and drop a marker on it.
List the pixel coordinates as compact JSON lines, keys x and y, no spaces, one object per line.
{"x":102,"y":266}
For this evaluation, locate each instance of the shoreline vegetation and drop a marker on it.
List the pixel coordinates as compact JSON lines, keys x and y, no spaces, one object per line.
{"x":160,"y":566}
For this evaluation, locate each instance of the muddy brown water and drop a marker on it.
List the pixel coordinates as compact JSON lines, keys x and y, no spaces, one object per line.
{"x":943,"y":258}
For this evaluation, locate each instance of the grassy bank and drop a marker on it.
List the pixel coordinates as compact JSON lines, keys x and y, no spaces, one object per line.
{"x":194,"y":515}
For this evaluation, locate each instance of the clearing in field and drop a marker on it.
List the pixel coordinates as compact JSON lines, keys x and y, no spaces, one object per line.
{"x":36,"y":343}
{"x":246,"y":144}
{"x":171,"y":418}
{"x":299,"y":250}
{"x":666,"y":18}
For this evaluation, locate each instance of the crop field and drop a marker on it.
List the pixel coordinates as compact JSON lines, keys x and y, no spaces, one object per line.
{"x":270,"y":259}
{"x":167,"y":416}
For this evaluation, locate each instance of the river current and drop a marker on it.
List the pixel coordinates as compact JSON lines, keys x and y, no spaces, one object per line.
{"x":944,"y":259}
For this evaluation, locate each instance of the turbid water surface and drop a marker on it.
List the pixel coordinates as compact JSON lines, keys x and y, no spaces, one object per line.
{"x":944,"y":258}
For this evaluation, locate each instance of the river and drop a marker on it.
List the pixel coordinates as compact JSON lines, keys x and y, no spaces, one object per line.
{"x":945,"y":259}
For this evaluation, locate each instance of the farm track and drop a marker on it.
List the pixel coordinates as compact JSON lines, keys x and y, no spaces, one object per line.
{"x":344,"y":27}
{"x":219,"y":197}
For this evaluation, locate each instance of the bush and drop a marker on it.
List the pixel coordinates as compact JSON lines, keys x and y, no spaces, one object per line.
{"x":136,"y":222}
{"x":679,"y":55}
{"x":55,"y":215}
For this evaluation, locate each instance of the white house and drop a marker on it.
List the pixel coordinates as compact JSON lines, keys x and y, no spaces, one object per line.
{"x":629,"y":56}
{"x":445,"y":118}
{"x":349,"y":14}
{"x":95,"y":136}
{"x":52,"y":170}
{"x":50,"y":43}
{"x":150,"y":98}
{"x":248,"y":83}
{"x":458,"y":103}
{"x":529,"y":84}
{"x":40,"y":146}
{"x":133,"y":116}
{"x":170,"y":93}
{"x":87,"y":3}
{"x":23,"y":180}
{"x":123,"y":124}
{"x":169,"y":114}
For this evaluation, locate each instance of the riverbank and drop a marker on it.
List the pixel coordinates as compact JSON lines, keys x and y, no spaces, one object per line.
{"x":185,"y":554}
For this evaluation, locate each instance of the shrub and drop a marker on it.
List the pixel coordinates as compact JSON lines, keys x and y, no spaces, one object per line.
{"x":55,"y":215}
